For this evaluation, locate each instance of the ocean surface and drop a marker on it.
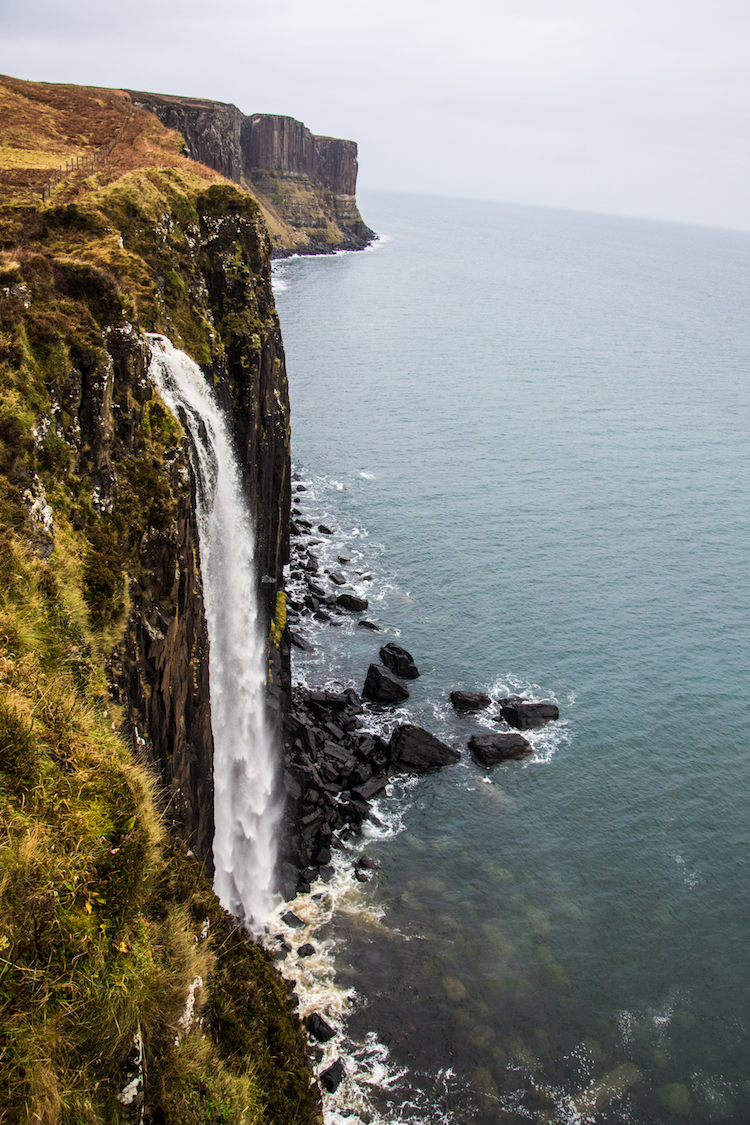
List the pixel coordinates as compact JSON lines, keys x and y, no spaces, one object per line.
{"x":529,"y":430}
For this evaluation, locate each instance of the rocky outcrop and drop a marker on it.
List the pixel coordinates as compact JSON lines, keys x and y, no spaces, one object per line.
{"x":306,"y":184}
{"x":470,"y":700}
{"x":525,"y":715}
{"x":212,"y":130}
{"x":489,"y":749}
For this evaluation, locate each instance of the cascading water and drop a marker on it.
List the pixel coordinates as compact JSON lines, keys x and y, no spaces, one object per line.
{"x":245,"y":811}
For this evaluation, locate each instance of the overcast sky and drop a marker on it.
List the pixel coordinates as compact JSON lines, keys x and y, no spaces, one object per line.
{"x":632,"y":107}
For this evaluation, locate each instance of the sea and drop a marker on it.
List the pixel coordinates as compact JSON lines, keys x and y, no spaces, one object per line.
{"x":529,"y":432}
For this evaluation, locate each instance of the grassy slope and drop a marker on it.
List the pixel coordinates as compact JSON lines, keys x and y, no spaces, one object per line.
{"x":104,"y":923}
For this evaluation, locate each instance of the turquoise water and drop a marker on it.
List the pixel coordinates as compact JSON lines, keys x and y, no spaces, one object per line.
{"x":531,"y":427}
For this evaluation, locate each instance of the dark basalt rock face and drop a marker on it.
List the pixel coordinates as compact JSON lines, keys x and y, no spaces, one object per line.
{"x":212,"y":130}
{"x":159,"y":671}
{"x":523,"y":715}
{"x":470,"y":700}
{"x":305,"y":181}
{"x":382,"y":687}
{"x":416,"y":750}
{"x":489,"y":749}
{"x":399,"y":661}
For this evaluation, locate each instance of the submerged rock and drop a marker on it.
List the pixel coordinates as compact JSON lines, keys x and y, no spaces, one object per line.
{"x":416,"y":750}
{"x":523,"y":715}
{"x":489,"y":749}
{"x":365,"y":624}
{"x":470,"y":700}
{"x":382,"y":687}
{"x":399,"y":661}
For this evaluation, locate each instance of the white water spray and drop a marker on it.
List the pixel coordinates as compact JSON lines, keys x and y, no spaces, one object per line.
{"x":245,"y":811}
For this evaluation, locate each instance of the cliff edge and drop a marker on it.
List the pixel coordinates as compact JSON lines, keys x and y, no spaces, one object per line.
{"x":126,"y":992}
{"x":305,"y":184}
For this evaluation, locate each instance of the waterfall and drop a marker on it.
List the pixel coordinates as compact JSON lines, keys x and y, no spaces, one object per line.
{"x":245,"y":811}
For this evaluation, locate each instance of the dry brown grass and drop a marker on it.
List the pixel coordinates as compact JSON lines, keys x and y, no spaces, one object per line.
{"x":44,"y":125}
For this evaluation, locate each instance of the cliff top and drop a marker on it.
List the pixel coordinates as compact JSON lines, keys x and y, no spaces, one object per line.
{"x":44,"y":126}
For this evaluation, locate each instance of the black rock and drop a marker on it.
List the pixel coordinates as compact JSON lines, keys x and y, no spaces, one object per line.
{"x":352,"y":602}
{"x":343,"y":559}
{"x":319,"y":1028}
{"x":399,"y":661}
{"x":327,"y":700}
{"x":523,"y":715}
{"x":417,"y":750}
{"x":370,"y":788}
{"x":290,"y":919}
{"x":333,"y":1076}
{"x":489,"y":749}
{"x":364,"y":624}
{"x":382,"y":687}
{"x":306,"y":950}
{"x":337,"y":577}
{"x":324,"y":530}
{"x":300,"y":642}
{"x":470,"y":700}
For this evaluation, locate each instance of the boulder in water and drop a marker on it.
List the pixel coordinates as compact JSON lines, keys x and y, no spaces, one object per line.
{"x":351,"y":602}
{"x":470,"y":700}
{"x":333,"y":1076}
{"x":319,"y":1028}
{"x":399,"y":661}
{"x":489,"y":749}
{"x":416,"y":750}
{"x":382,"y":687}
{"x":524,"y":715}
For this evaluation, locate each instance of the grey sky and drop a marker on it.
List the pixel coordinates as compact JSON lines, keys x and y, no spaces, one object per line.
{"x":622,"y":106}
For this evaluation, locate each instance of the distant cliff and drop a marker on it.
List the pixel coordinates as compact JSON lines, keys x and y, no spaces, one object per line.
{"x":306,"y":185}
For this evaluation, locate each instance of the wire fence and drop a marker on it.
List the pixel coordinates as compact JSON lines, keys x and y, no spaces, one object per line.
{"x":98,"y":160}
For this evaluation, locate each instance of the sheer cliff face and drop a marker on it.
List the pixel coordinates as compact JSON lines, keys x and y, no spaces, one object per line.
{"x":306,"y":184}
{"x":151,"y":243}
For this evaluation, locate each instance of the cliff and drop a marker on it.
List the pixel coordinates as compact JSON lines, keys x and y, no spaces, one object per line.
{"x":305,"y":184}
{"x":124,"y":988}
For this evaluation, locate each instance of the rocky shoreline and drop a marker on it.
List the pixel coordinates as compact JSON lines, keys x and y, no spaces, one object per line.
{"x":333,"y":765}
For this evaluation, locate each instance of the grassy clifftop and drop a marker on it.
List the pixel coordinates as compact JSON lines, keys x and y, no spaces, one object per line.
{"x":126,"y":992}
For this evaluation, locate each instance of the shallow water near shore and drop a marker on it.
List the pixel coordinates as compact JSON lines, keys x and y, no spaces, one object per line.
{"x":530,"y":428}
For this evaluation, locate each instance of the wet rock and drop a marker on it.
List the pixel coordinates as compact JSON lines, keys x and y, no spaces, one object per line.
{"x":337,"y":577}
{"x":370,"y":788}
{"x":523,"y":715}
{"x":333,"y":1076}
{"x":306,"y":950}
{"x":489,"y":749}
{"x":290,"y":919}
{"x":352,"y":602}
{"x":319,"y":1028}
{"x":299,"y":641}
{"x":324,"y":530}
{"x":364,"y":624}
{"x":470,"y":700}
{"x":399,"y":661}
{"x":344,"y":559}
{"x":416,"y":750}
{"x":382,"y":687}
